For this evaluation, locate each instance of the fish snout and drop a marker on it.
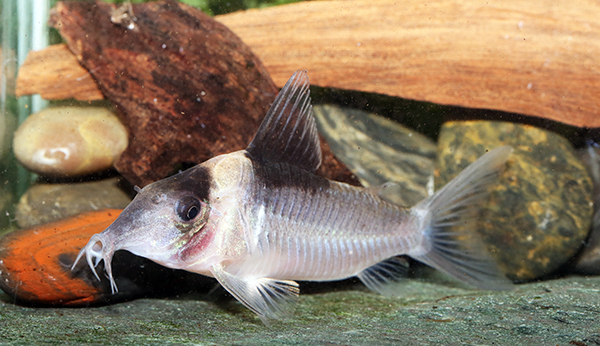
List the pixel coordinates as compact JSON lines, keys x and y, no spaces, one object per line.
{"x":96,"y":250}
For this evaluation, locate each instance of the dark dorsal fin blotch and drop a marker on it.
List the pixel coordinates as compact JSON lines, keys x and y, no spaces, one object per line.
{"x":288,"y":133}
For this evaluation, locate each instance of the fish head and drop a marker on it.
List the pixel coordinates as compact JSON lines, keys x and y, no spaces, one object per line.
{"x":172,"y":221}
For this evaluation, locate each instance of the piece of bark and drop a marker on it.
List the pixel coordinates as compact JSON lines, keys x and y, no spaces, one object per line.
{"x":187,"y":87}
{"x":530,"y":57}
{"x":55,"y":74}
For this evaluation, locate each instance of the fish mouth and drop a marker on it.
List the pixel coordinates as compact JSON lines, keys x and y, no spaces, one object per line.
{"x":96,"y":250}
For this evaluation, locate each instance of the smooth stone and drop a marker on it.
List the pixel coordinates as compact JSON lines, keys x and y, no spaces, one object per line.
{"x":70,"y":141}
{"x":378,"y":150}
{"x":539,"y":213}
{"x":588,"y":260}
{"x":43,"y":203}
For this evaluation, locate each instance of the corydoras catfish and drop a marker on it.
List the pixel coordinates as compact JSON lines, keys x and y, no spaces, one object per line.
{"x":259,"y":219}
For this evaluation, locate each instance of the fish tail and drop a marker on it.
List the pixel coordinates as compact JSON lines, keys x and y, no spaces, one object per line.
{"x":450,"y":241}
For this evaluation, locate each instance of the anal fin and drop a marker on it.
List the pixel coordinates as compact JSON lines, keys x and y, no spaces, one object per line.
{"x":382,"y":276}
{"x":268,"y":298}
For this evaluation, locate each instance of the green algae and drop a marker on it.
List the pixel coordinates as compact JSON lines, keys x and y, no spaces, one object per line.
{"x":551,"y":312}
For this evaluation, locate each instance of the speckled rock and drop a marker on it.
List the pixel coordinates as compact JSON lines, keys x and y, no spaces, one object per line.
{"x":540,"y":211}
{"x":43,"y":203}
{"x":70,"y":141}
{"x":588,"y":260}
{"x":378,"y":150}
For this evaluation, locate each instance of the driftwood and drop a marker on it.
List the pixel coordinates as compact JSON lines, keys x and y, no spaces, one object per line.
{"x":535,"y":58}
{"x":530,"y":57}
{"x":187,"y":87}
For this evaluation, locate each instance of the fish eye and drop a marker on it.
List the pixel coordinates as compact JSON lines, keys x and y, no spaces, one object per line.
{"x":188,"y":208}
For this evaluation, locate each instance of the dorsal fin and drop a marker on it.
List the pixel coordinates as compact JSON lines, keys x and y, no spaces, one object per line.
{"x":288,"y":133}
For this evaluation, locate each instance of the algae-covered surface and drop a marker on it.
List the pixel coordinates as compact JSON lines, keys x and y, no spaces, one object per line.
{"x":556,"y":312}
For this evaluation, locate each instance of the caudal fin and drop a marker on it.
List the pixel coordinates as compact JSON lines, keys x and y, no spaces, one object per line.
{"x":450,"y":241}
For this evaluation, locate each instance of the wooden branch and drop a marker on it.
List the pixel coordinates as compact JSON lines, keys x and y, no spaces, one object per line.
{"x":530,"y":57}
{"x":55,"y":74}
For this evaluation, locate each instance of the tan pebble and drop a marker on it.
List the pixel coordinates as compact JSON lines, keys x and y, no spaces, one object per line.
{"x":70,"y":141}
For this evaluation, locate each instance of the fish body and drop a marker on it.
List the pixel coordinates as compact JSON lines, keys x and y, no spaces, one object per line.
{"x":295,"y":225}
{"x":259,"y":219}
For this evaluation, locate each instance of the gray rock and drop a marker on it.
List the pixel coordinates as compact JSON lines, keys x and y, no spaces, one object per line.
{"x":48,"y":202}
{"x":378,"y":150}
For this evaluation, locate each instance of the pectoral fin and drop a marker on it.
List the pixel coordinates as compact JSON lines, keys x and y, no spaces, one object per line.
{"x":268,"y":298}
